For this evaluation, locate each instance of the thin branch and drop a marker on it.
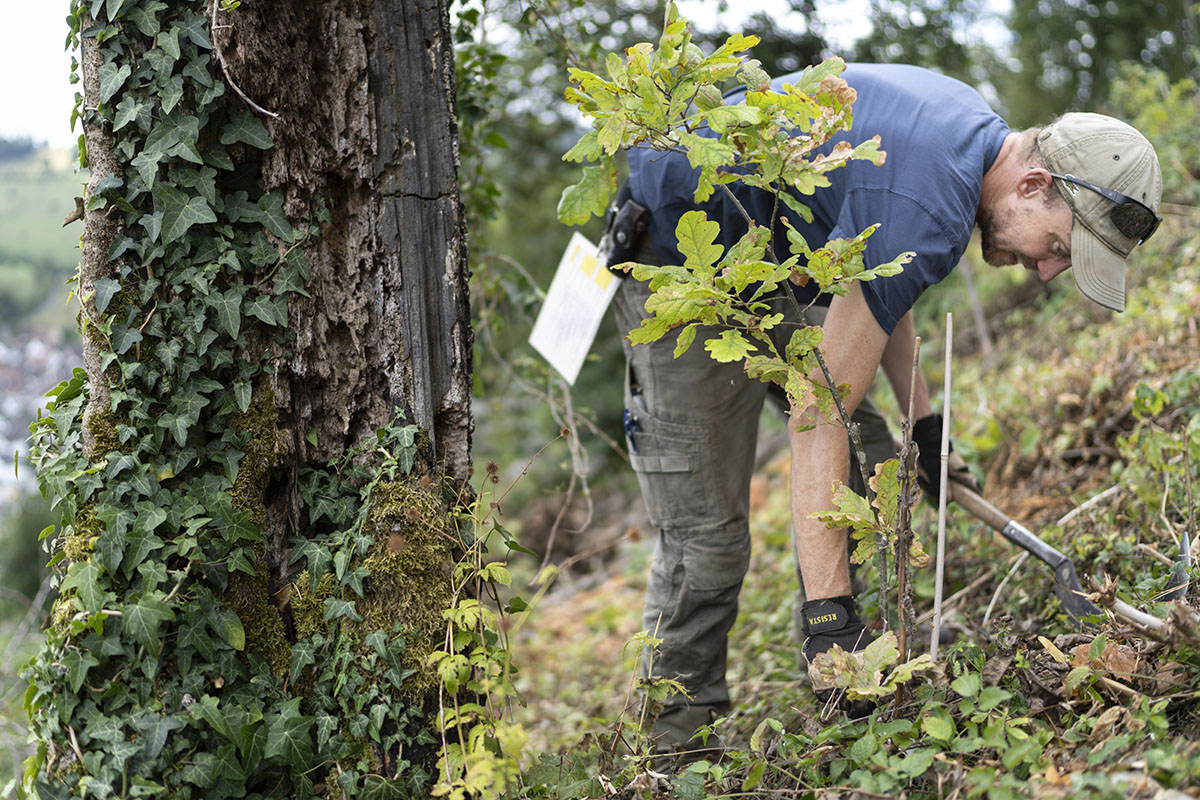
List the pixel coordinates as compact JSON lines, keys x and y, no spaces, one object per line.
{"x":225,"y":69}
{"x":851,"y":426}
{"x":1000,"y":588}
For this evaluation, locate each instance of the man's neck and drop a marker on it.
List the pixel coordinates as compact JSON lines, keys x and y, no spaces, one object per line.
{"x":1003,"y":170}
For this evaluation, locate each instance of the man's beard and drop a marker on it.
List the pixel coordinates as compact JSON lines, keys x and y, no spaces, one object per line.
{"x":987,"y":223}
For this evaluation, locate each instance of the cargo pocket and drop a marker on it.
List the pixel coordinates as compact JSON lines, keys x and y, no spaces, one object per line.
{"x":667,"y":457}
{"x":714,"y":561}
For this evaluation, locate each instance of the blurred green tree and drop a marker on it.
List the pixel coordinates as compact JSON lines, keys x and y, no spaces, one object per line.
{"x":1066,"y":54}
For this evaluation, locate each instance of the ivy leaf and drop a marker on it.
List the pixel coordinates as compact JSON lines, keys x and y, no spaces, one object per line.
{"x":229,"y":627}
{"x":288,"y":736}
{"x":247,"y":128}
{"x":141,"y":619}
{"x":729,"y":346}
{"x":198,"y":770}
{"x":263,"y":308}
{"x":194,"y":638}
{"x":155,"y":728}
{"x":253,"y":745}
{"x":304,"y":654}
{"x":169,"y":42}
{"x":229,"y":310}
{"x":105,"y":289}
{"x":124,"y":337}
{"x":177,"y":218}
{"x":195,"y":27}
{"x":237,"y":561}
{"x":377,"y":788}
{"x":141,"y":545}
{"x":84,"y":578}
{"x":241,"y":394}
{"x":227,"y":766}
{"x":335,"y":608}
{"x":145,"y":17}
{"x":271,"y":207}
{"x":129,"y":109}
{"x":112,"y":79}
{"x":78,"y":663}
{"x":170,"y":94}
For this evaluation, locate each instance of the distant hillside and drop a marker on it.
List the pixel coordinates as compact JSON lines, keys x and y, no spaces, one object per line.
{"x":37,"y":254}
{"x":36,"y":193}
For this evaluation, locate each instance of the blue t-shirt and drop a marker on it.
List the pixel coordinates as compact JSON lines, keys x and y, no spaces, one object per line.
{"x":940,"y":138}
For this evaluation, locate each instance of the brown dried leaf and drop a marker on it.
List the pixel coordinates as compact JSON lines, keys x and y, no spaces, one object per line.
{"x":1116,"y":658}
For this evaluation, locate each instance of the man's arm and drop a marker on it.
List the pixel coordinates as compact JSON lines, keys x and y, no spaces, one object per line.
{"x":897,"y":365}
{"x":853,"y":346}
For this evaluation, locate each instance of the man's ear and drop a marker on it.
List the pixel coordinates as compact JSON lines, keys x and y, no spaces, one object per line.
{"x":1033,"y":182}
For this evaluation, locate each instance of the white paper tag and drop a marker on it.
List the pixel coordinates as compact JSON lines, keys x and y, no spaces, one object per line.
{"x":578,"y":297}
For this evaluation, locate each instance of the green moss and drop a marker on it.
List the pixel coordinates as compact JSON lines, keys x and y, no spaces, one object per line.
{"x":260,"y":423}
{"x":249,"y":596}
{"x":77,"y":545}
{"x":411,"y":565}
{"x":102,"y":426}
{"x":265,"y":635}
{"x":308,"y":607}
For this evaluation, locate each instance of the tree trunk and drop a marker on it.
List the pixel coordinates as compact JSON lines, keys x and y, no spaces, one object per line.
{"x":366,"y":123}
{"x":259,"y":466}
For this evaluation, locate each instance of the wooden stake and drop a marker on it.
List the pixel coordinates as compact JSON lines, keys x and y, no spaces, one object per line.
{"x":904,"y":523}
{"x":945,"y":468}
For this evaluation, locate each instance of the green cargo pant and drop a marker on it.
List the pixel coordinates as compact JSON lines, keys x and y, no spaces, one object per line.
{"x":692,"y":426}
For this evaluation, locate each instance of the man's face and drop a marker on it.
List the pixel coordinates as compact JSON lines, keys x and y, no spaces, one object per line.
{"x":1028,"y":229}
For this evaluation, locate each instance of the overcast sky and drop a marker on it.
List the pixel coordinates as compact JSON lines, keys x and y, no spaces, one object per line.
{"x":36,"y":96}
{"x":35,"y":93}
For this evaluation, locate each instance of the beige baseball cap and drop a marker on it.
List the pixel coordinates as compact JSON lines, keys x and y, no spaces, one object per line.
{"x":1109,"y":154}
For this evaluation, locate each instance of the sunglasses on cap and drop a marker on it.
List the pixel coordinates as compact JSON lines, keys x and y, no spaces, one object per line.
{"x":1133,"y":218}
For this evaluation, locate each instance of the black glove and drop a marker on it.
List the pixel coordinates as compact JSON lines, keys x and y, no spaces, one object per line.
{"x":927,"y":434}
{"x":827,"y":622}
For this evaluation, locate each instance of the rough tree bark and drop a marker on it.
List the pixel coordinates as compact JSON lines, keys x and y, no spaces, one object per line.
{"x":364,"y":92}
{"x":274,"y":265}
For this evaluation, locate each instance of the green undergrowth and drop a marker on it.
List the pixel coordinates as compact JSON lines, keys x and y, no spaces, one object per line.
{"x":1024,"y":700}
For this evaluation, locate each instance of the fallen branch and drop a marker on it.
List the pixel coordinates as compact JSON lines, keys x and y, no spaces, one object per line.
{"x":1182,"y":625}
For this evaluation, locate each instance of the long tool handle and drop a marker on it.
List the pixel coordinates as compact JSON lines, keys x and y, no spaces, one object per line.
{"x":1066,"y":582}
{"x":1007,"y":527}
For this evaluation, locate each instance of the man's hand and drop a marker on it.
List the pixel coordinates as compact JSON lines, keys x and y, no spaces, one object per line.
{"x":927,"y":433}
{"x":826,"y":623}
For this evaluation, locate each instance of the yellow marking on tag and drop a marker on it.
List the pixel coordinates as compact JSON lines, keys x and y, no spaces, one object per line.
{"x":587,"y":265}
{"x":603,"y":278}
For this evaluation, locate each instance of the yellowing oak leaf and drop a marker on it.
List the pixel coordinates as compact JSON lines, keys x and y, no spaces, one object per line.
{"x":590,"y":196}
{"x":729,"y":346}
{"x":697,"y":236}
{"x":886,"y":485}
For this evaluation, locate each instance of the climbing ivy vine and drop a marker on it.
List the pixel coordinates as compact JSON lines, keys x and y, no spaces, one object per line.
{"x":174,"y":664}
